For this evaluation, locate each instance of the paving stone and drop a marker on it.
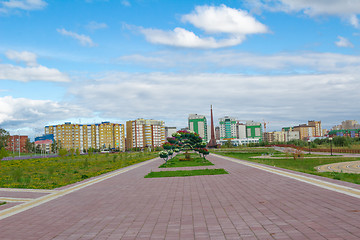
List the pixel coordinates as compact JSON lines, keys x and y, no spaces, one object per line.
{"x":248,"y":203}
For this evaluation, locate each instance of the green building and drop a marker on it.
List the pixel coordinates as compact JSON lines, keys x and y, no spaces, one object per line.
{"x":228,"y":128}
{"x":254,"y":130}
{"x":198,"y":124}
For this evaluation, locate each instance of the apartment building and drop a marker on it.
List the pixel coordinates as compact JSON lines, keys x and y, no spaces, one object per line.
{"x":143,"y":133}
{"x":228,"y":127}
{"x":317,"y":128}
{"x":281,"y":136}
{"x":312,"y":129}
{"x":198,"y":124}
{"x":104,"y":135}
{"x":347,"y":124}
{"x":17,"y":143}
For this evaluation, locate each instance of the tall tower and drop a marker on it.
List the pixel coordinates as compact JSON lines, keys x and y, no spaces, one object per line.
{"x":212,"y":143}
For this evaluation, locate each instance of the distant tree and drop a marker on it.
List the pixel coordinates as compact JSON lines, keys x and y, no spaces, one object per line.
{"x":342,"y":141}
{"x":29,"y":146}
{"x":37,"y":148}
{"x":55,"y":146}
{"x":90,"y":151}
{"x":4,"y":136}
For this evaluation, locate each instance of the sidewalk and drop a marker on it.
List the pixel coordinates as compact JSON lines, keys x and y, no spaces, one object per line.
{"x":248,"y":203}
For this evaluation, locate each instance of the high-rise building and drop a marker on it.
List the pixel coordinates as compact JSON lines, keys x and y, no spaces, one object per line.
{"x":317,"y":128}
{"x":105,"y":135}
{"x":228,"y":127}
{"x":198,"y":124}
{"x":142,"y":133}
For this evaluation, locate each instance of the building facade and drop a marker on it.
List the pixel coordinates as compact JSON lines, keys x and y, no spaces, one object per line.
{"x":17,"y":143}
{"x":254,"y":130}
{"x":100,"y":136}
{"x":347,"y":124}
{"x":169,"y":131}
{"x":144,"y":133}
{"x":44,"y":143}
{"x":312,"y":129}
{"x":198,"y":124}
{"x":353,"y":133}
{"x":228,"y":127}
{"x":281,"y":136}
{"x":240,"y":130}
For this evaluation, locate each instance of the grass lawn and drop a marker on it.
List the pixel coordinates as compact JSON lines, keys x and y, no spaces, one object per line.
{"x":196,"y":160}
{"x":186,"y":173}
{"x":49,"y":173}
{"x":306,"y":165}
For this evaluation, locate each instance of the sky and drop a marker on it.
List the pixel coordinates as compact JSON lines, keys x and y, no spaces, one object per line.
{"x":282,"y":62}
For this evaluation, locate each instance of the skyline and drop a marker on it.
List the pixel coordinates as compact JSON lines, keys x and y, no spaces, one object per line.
{"x":282,"y":61}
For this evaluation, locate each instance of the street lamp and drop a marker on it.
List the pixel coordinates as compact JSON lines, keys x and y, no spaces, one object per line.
{"x":309,"y":144}
{"x":330,"y":139}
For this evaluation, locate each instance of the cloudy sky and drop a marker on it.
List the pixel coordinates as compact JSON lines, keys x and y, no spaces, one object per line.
{"x":280,"y":61}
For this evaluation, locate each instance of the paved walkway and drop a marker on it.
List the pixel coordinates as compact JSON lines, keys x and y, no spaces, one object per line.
{"x":345,"y":167}
{"x":249,"y":203}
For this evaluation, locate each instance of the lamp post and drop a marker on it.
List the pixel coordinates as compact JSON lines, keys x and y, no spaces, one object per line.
{"x":309,"y":144}
{"x":330,"y":139}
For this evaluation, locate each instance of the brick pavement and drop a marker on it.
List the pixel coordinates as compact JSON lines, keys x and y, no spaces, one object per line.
{"x":248,"y":203}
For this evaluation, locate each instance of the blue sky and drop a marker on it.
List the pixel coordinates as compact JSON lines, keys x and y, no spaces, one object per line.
{"x":280,"y":61}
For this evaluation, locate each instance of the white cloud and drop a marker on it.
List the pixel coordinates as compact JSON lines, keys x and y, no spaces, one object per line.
{"x":354,"y":20}
{"x":234,"y":24}
{"x":343,"y":42}
{"x":172,"y":96}
{"x":28,"y":58}
{"x":180,"y":37}
{"x":37,"y":73}
{"x":24,"y":4}
{"x":93,"y":26}
{"x":347,"y":9}
{"x":209,"y":61}
{"x":32,"y":72}
{"x":223,"y":19}
{"x":29,"y":113}
{"x":83,"y":39}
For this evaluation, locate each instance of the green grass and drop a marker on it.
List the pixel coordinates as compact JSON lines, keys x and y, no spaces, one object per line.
{"x":196,"y":160}
{"x":306,"y":165}
{"x":186,"y":173}
{"x":49,"y":173}
{"x":2,"y":203}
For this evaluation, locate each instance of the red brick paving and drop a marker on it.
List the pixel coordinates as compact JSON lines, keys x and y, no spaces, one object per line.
{"x":248,"y":203}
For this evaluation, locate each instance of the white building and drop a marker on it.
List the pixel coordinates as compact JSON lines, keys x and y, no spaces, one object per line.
{"x":169,"y":131}
{"x":143,"y":133}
